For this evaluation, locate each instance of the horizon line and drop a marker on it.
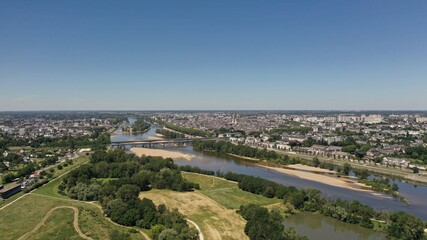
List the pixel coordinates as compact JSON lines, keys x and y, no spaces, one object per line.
{"x":222,"y":110}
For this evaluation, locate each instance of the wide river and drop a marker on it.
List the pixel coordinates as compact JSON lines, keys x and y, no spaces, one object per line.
{"x":314,"y":226}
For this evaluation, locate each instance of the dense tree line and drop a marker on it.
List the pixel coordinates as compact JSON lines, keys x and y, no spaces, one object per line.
{"x":170,"y":134}
{"x":311,"y":141}
{"x":289,"y":129}
{"x":188,"y":168}
{"x":222,"y":130}
{"x":189,"y":131}
{"x":98,"y":140}
{"x":140,"y":125}
{"x":127,"y":209}
{"x":262,"y":224}
{"x":145,"y":172}
{"x":419,"y":153}
{"x":115,"y":179}
{"x":243,"y":150}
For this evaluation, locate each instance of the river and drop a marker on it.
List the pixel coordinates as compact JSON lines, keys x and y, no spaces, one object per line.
{"x":416,"y":195}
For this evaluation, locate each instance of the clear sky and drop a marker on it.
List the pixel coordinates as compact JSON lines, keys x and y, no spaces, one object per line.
{"x":221,"y":54}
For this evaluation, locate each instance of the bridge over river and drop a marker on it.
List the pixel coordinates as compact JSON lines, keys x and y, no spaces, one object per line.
{"x":152,"y":143}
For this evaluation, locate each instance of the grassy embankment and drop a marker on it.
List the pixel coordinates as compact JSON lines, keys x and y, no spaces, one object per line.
{"x":213,"y":207}
{"x":405,"y":174}
{"x":23,"y":215}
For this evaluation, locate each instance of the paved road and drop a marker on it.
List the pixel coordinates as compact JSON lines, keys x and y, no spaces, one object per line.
{"x":36,"y":188}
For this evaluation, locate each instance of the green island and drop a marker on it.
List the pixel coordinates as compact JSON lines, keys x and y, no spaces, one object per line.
{"x":170,"y":134}
{"x":140,"y":125}
{"x":184,"y":130}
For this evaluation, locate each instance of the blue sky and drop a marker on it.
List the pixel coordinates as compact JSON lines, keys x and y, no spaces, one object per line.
{"x":165,"y":55}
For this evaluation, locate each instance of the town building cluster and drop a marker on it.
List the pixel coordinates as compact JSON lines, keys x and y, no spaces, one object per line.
{"x":379,"y":138}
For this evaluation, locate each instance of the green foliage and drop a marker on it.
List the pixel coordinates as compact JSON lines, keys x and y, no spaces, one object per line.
{"x":242,"y":150}
{"x":140,"y":125}
{"x":128,"y":192}
{"x":189,"y":131}
{"x":98,"y":140}
{"x":350,"y":148}
{"x":405,"y":227}
{"x":123,"y":169}
{"x":170,"y":134}
{"x":346,"y":168}
{"x":312,"y":200}
{"x":362,"y":174}
{"x":316,"y":162}
{"x":8,"y":178}
{"x":415,"y":170}
{"x":260,"y":186}
{"x":382,"y":184}
{"x":117,"y":235}
{"x":285,"y":129}
{"x":419,"y":153}
{"x":255,"y":133}
{"x":119,"y":196}
{"x":262,"y":224}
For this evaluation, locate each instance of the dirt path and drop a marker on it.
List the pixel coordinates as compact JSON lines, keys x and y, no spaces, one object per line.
{"x":201,"y":237}
{"x":215,"y":221}
{"x":48,"y":214}
{"x":12,"y":202}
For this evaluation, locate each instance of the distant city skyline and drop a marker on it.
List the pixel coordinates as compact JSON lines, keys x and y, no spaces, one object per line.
{"x":216,"y":55}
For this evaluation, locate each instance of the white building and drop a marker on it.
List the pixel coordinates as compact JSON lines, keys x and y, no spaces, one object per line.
{"x":421,"y":119}
{"x":373,"y":118}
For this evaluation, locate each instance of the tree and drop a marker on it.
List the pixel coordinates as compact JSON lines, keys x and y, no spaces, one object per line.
{"x":296,"y":198}
{"x":405,"y":227}
{"x":362,"y":174}
{"x":7,"y":178}
{"x":316,"y":162}
{"x":415,"y":170}
{"x":168,"y":234}
{"x":346,"y":168}
{"x":394,"y":187}
{"x":128,"y":192}
{"x":116,"y":235}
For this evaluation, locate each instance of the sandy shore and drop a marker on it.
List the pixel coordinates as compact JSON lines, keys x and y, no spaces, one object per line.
{"x":310,"y":168}
{"x":156,"y":137}
{"x":341,"y":182}
{"x":242,"y":157}
{"x":162,"y":153}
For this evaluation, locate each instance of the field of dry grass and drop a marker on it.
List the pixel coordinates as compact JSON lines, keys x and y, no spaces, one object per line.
{"x":215,"y":221}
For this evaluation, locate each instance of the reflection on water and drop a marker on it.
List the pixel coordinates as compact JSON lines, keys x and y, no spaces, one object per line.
{"x":319,"y":227}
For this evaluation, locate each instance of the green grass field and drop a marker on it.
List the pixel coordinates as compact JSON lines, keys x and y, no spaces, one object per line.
{"x":76,"y":163}
{"x":226,"y":192}
{"x":21,"y":217}
{"x":52,"y":230}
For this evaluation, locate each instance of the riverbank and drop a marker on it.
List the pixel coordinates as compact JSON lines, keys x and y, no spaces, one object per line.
{"x":392,"y":172}
{"x":162,"y":153}
{"x":156,"y":137}
{"x":304,"y":172}
{"x":244,"y":158}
